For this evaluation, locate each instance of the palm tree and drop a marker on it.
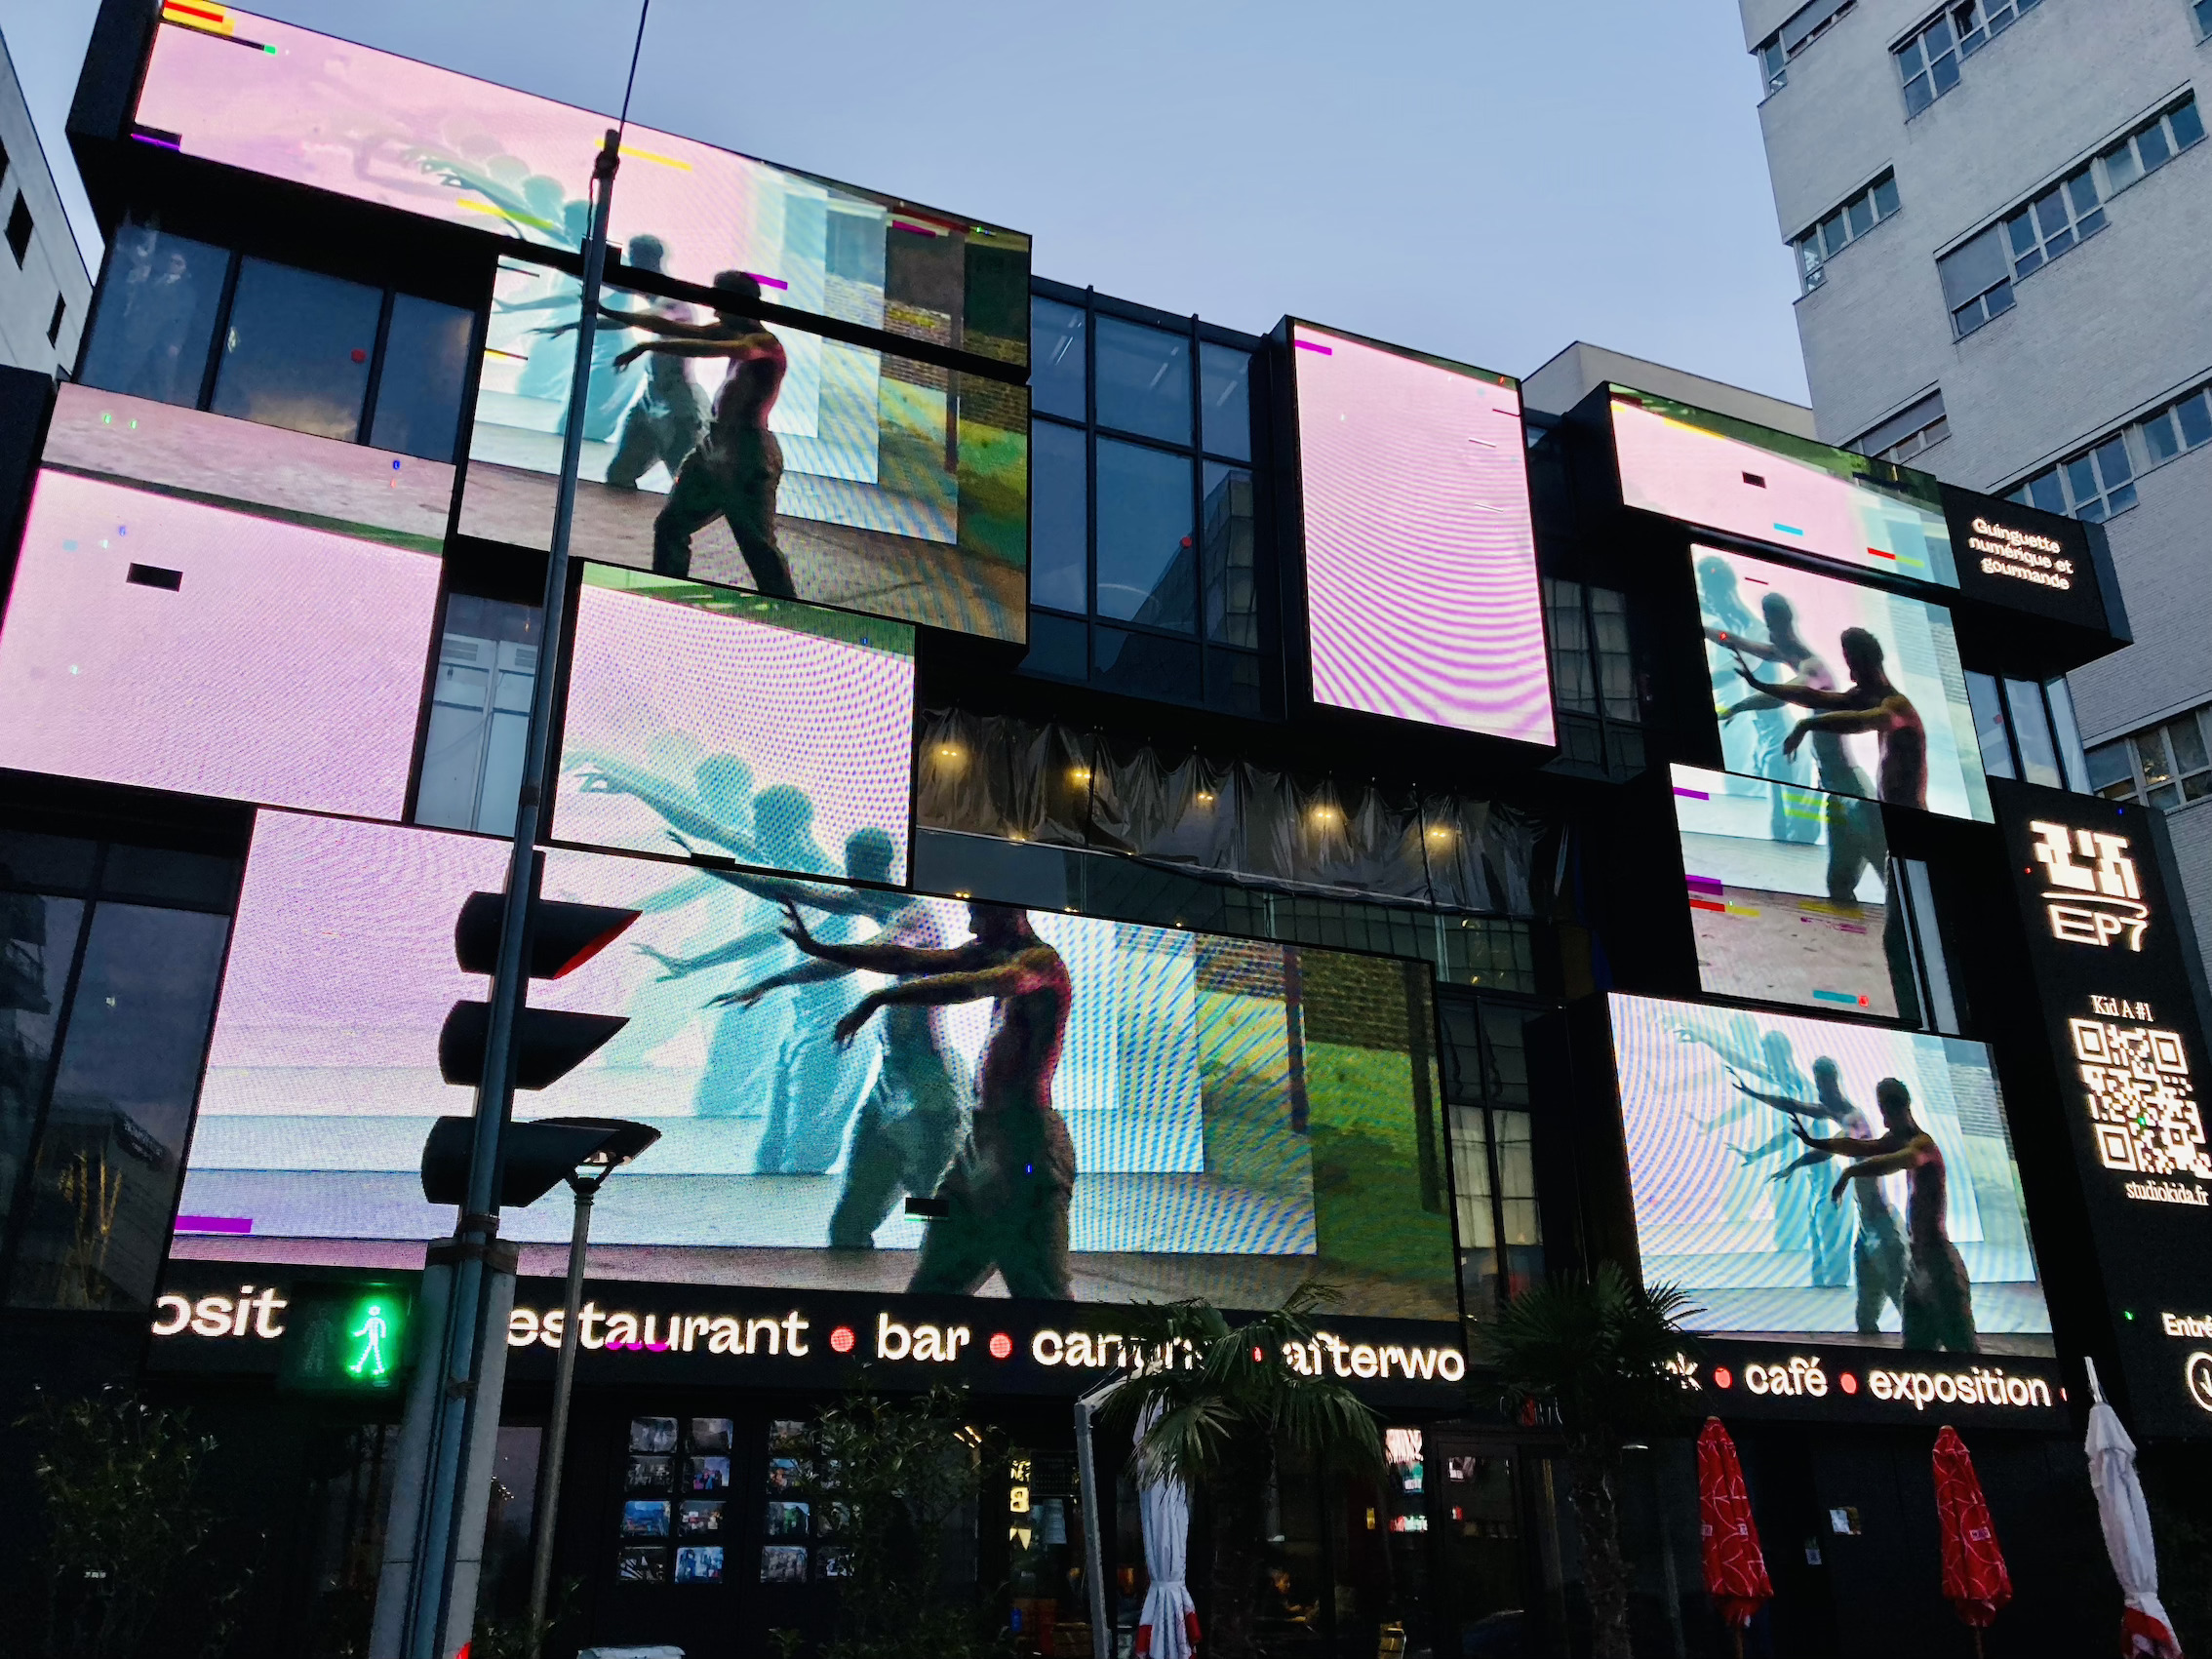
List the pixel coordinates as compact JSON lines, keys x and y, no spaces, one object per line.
{"x":1211,"y":1407}
{"x":1603,"y":1357}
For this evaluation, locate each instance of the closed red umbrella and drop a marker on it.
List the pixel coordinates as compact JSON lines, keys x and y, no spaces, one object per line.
{"x":1974,"y":1574}
{"x":1735,"y":1572}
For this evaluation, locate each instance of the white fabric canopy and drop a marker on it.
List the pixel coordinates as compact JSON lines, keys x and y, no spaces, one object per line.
{"x":1168,"y":1627}
{"x":2127,"y":1529}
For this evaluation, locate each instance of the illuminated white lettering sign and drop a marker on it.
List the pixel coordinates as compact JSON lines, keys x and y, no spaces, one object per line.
{"x":623,"y":1330}
{"x":2097,"y":900}
{"x":1799,"y":1375}
{"x":1984,"y":1385}
{"x":2023,"y":555}
{"x":2196,"y":1374}
{"x":244,"y":1315}
{"x":2198,"y":1325}
{"x":2142,"y":1102}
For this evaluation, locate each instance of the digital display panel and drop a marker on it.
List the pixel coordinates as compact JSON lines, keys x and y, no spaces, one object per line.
{"x":829,"y":472}
{"x":155,"y":641}
{"x":1824,"y":683}
{"x":706,"y":721}
{"x":252,"y":92}
{"x":273,"y":473}
{"x":1815,"y":1177}
{"x":2026,"y":559}
{"x":1225,"y":1117}
{"x":2111,"y":967}
{"x":1421,"y":586}
{"x":1788,"y":894}
{"x":1728,"y":475}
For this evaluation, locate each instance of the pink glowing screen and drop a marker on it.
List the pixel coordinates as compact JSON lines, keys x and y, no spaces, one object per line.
{"x":157,"y":642}
{"x":728,"y":724}
{"x":1684,"y":470}
{"x":290,"y":103}
{"x":1420,"y":554}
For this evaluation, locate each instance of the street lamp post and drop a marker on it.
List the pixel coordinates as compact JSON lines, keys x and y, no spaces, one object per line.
{"x":605,"y":1162}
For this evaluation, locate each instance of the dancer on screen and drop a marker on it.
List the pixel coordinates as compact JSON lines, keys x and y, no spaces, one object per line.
{"x":1938,"y":1303}
{"x":1006,"y":1195}
{"x":1870,"y":703}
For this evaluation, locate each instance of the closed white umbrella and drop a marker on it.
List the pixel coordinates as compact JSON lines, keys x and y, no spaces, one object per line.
{"x":2144,"y":1629}
{"x":1169,"y":1628}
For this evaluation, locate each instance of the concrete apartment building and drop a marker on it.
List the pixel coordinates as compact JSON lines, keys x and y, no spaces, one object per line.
{"x":2001,"y":212}
{"x":45,"y":289}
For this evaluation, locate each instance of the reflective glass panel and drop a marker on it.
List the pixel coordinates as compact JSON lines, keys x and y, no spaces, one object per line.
{"x":418,"y":393}
{"x":1147,"y":569}
{"x":157,"y":313}
{"x":296,"y":352}
{"x":1144,"y":380}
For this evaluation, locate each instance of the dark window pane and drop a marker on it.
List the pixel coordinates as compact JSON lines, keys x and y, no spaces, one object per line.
{"x":1144,"y":380}
{"x":2150,"y":144}
{"x":1057,"y":647}
{"x":2081,"y":192}
{"x":2109,"y":766}
{"x":1832,"y":235}
{"x":1225,"y":375}
{"x":1233,"y":682}
{"x":1147,"y":569}
{"x":2120,"y":499}
{"x":155,"y":324}
{"x":105,"y":1185}
{"x":1998,"y":300}
{"x":1988,"y":705}
{"x":1944,"y":71}
{"x":1885,"y":197}
{"x":2045,"y":491}
{"x":1055,"y":359}
{"x":418,"y":393}
{"x":2186,"y":737}
{"x":1058,"y":517}
{"x":1860,"y":209}
{"x":1917,"y":96}
{"x":30,"y":860}
{"x":2121,"y":168}
{"x":1145,"y":666}
{"x":2031,"y":734}
{"x":2081,"y":479}
{"x":2162,"y":437}
{"x":161,"y":873}
{"x":38,"y":938}
{"x":2187,"y":123}
{"x":296,"y":352}
{"x":2195,"y":417}
{"x":2113,"y":462}
{"x":472,"y":755}
{"x":1232,"y":599}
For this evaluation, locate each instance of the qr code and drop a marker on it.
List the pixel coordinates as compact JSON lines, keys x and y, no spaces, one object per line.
{"x":2142,"y":1102}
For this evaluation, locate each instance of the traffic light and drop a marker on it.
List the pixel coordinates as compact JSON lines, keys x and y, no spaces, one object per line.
{"x":534,"y":1156}
{"x":346,"y":1339}
{"x":548,"y":1043}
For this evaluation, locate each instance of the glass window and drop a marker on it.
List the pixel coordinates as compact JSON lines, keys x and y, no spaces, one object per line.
{"x":1055,"y":359}
{"x":1860,"y":210}
{"x":2110,"y":772}
{"x":1616,"y":667}
{"x":473,"y":751}
{"x":1233,"y":682}
{"x":2188,"y":124}
{"x":1145,"y":666}
{"x":1504,"y":1053}
{"x":2031,"y":734}
{"x":38,"y":940}
{"x":1058,"y":647}
{"x":1886,"y":195}
{"x":1144,"y":381}
{"x":426,"y":368}
{"x":296,"y":352}
{"x":2195,"y":417}
{"x":1232,"y":600}
{"x":105,"y":1186}
{"x":1147,"y":570}
{"x":2185,"y":742}
{"x":1059,"y":514}
{"x":2150,"y":144}
{"x":1470,"y":1177}
{"x":1988,"y":705}
{"x":155,"y":325}
{"x":1574,"y":681}
{"x":1225,"y":375}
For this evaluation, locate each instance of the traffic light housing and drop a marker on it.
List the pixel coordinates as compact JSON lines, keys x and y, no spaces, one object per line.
{"x":346,"y":1339}
{"x":548,"y":1043}
{"x":535,"y":1156}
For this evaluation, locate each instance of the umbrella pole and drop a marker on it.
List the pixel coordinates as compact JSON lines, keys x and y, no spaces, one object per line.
{"x":1737,"y":1631}
{"x":1977,"y":1629}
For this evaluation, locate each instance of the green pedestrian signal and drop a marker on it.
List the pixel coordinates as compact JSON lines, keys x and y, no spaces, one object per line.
{"x":344,"y":1339}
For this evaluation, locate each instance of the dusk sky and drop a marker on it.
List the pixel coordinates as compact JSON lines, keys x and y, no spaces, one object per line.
{"x":1479,"y":180}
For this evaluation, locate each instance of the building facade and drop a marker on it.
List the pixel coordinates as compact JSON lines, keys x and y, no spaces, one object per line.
{"x":2030,"y":323}
{"x":1451,"y":829}
{"x":44,"y":286}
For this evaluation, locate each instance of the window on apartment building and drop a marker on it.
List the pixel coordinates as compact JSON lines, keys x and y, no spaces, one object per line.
{"x":2025,"y":730}
{"x":2153,"y":144}
{"x":1595,"y":683}
{"x":1850,"y":220}
{"x":184,"y":322}
{"x":53,"y":323}
{"x":1486,"y":1091}
{"x":2101,"y":480}
{"x":1929,"y":60}
{"x":1142,"y":509}
{"x":20,"y":229}
{"x":2202,"y":9}
{"x":1977,"y":280}
{"x":1919,"y":425}
{"x":1805,"y":25}
{"x":2166,"y":765}
{"x":2056,"y":221}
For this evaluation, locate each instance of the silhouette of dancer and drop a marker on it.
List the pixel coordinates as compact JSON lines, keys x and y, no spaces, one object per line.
{"x":1870,"y":703}
{"x":1938,"y":1300}
{"x":1006,"y":1194}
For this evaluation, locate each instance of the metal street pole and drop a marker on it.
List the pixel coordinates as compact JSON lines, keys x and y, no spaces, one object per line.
{"x":461,"y":1406}
{"x":557,"y":1431}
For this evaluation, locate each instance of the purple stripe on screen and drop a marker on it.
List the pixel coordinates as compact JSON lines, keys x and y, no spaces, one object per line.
{"x":1309,"y":345}
{"x":1692,"y":794}
{"x":1705,"y":883}
{"x":158,"y":143}
{"x":214,"y":1224}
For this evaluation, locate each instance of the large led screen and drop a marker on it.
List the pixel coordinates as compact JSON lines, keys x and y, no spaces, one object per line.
{"x":705,"y":721}
{"x":321,"y":482}
{"x":1421,"y":584}
{"x":1821,"y":682}
{"x":1814,"y":1177}
{"x":156,"y":641}
{"x":1225,"y":1116}
{"x":1790,"y":895}
{"x":252,"y":92}
{"x":799,"y":467}
{"x":1728,"y":475}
